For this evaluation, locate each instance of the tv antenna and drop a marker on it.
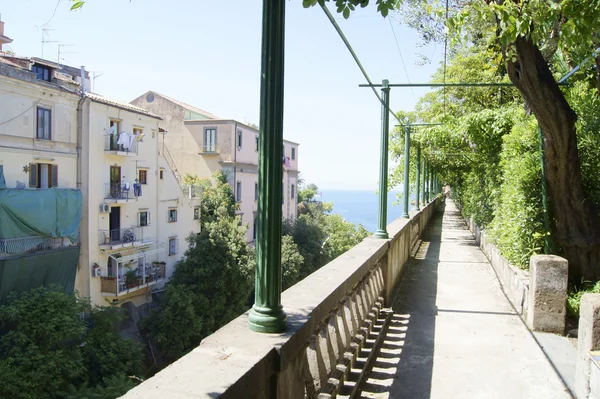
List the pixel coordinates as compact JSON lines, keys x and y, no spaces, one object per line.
{"x":60,"y":46}
{"x":94,"y":76}
{"x":44,"y":41}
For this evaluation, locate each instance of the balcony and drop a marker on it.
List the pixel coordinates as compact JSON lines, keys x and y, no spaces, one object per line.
{"x":121,"y":238}
{"x":119,"y":193}
{"x":335,"y":319}
{"x":134,"y":270}
{"x":14,"y":247}
{"x":128,"y":149}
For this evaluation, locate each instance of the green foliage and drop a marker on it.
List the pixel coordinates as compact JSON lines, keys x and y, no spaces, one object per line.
{"x":291,"y":261}
{"x":517,"y":226}
{"x":575,"y":294}
{"x":345,"y":7}
{"x":307,"y":193}
{"x":112,"y":387}
{"x":46,"y":345}
{"x":320,"y":236}
{"x":342,"y":235}
{"x":211,"y":285}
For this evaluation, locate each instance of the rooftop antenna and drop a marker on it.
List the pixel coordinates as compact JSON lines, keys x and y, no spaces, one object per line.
{"x":44,"y":41}
{"x":94,"y":76}
{"x":60,"y":46}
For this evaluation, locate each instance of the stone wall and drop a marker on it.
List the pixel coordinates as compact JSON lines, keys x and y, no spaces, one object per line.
{"x":330,"y":313}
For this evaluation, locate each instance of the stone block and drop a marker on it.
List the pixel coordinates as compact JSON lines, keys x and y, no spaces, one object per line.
{"x":548,"y":276}
{"x":588,"y":340}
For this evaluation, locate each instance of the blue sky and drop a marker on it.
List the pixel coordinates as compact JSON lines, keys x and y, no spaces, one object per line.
{"x":207,"y":53}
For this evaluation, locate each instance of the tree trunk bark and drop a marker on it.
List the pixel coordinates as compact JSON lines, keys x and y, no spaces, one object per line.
{"x":576,"y":219}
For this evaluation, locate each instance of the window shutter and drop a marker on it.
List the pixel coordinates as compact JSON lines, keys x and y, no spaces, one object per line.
{"x":139,"y":218}
{"x":33,"y":175}
{"x":54,"y":174}
{"x":149,"y":221}
{"x":176,"y":246}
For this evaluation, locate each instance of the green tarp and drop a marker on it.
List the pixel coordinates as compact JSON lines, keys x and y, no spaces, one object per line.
{"x":49,"y":212}
{"x":31,"y":271}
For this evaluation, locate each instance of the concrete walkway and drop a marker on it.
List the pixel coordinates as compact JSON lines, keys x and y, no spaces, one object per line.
{"x":454,"y":334}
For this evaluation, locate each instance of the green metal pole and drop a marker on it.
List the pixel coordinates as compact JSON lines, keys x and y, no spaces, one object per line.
{"x":267,"y":315}
{"x":548,"y":245}
{"x":383,"y":164}
{"x":418,"y":184}
{"x":406,"y":171}
{"x":430,"y":190}
{"x":424,"y":180}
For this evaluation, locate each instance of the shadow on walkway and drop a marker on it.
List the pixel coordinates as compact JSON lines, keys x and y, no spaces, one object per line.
{"x":405,"y":358}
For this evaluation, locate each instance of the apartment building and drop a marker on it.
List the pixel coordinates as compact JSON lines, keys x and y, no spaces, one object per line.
{"x":40,"y":206}
{"x":199,"y":143}
{"x":118,"y":205}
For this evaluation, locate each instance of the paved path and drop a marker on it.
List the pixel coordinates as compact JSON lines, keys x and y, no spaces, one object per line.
{"x":454,"y":334}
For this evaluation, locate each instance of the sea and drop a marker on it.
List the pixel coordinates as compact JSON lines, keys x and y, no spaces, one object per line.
{"x":362,"y":206}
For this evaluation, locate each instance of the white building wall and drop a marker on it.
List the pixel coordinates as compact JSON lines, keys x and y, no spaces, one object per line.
{"x":18,"y":143}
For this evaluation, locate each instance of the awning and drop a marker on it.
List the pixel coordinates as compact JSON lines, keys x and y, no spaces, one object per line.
{"x":154,"y":249}
{"x":136,"y":253}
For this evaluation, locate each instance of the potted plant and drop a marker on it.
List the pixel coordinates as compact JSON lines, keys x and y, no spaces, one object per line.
{"x":130,"y":278}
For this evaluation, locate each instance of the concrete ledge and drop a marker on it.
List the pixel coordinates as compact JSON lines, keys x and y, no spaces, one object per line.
{"x":330,"y":313}
{"x":548,"y":283}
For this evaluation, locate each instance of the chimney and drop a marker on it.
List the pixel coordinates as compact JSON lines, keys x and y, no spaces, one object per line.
{"x":3,"y":39}
{"x":83,"y":88}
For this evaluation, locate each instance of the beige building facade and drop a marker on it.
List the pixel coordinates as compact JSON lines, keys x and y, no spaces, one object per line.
{"x":136,"y":213}
{"x":199,"y":144}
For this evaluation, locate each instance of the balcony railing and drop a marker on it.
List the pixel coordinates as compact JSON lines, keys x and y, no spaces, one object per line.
{"x":134,"y":279}
{"x":120,"y":192}
{"x":110,"y":145}
{"x":332,"y":315}
{"x":129,"y":235}
{"x":28,"y":245}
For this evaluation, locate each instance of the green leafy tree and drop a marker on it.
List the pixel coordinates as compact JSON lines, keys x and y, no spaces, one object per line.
{"x":530,"y":36}
{"x":212,"y":283}
{"x":342,"y":235}
{"x":291,"y":261}
{"x":46,"y":346}
{"x":307,"y":193}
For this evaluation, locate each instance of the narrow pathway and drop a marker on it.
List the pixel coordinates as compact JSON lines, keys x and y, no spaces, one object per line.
{"x":454,"y":334}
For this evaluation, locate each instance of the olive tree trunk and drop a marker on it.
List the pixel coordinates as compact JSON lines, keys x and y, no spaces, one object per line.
{"x":576,"y":219}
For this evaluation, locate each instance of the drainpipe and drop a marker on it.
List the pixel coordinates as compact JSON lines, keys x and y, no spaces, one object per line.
{"x":84,"y":232}
{"x":235,"y":149}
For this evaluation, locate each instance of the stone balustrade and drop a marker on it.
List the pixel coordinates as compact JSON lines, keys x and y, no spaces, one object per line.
{"x":330,"y":315}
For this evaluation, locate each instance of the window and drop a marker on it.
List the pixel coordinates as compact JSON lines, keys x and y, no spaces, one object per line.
{"x":160,"y":173}
{"x":254,"y":230}
{"x":255,"y":191}
{"x":238,"y":192}
{"x":173,"y":246}
{"x":144,"y":218}
{"x":293,"y":153}
{"x":43,"y":175}
{"x":143,"y":176}
{"x":138,"y":133}
{"x":210,"y":140}
{"x":172,"y":215}
{"x":239,"y":139}
{"x":153,"y":133}
{"x":114,"y":135}
{"x":44,"y":123}
{"x":42,"y":72}
{"x":256,"y":146}
{"x":196,"y":213}
{"x":283,"y":150}
{"x":292,"y":191}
